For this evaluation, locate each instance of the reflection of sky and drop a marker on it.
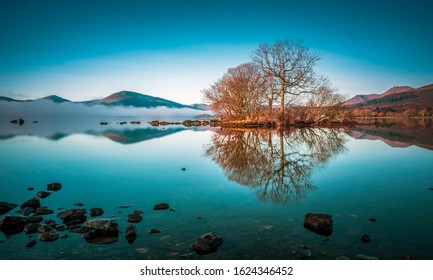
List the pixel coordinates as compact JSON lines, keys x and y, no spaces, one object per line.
{"x":172,"y":49}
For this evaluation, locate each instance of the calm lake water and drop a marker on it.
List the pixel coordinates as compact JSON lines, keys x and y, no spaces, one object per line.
{"x":252,"y":188}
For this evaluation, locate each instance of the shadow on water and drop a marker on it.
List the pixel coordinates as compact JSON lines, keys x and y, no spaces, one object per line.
{"x":277,"y":164}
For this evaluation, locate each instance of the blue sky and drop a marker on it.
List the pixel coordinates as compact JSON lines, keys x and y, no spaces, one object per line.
{"x":173,"y":49}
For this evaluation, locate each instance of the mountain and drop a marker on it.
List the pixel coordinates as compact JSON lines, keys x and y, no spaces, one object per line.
{"x":7,"y":99}
{"x":200,"y":106}
{"x":367,"y":97}
{"x":55,"y":99}
{"x":400,"y":98}
{"x":135,"y":99}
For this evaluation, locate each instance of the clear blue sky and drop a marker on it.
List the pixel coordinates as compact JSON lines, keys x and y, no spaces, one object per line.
{"x":173,"y":49}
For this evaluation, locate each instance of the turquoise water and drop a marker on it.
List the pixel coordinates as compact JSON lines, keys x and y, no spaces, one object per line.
{"x":239,"y":182}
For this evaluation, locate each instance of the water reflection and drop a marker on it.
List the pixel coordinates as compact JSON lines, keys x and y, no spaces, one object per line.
{"x":277,"y":164}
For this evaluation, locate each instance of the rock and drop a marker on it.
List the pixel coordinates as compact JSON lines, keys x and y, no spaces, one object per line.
{"x":31,"y":228}
{"x":54,"y":187}
{"x":14,"y":121}
{"x":77,"y":229}
{"x":43,"y":194}
{"x":143,"y":250}
{"x":64,"y":236}
{"x":11,"y":225}
{"x":79,"y":204}
{"x":319,"y":223}
{"x":161,"y":206}
{"x":267,"y":228}
{"x":372,"y":220}
{"x":365,"y":238}
{"x":44,"y":211}
{"x":60,"y":227}
{"x":25,"y":211}
{"x":103,"y":123}
{"x":365,"y":257}
{"x":207,"y":243}
{"x":139,"y":212}
{"x":48,"y":236}
{"x":31,"y":243}
{"x":154,"y":123}
{"x":73,"y":216}
{"x":198,"y":218}
{"x":342,"y":258}
{"x":124,"y":206}
{"x":101,"y":231}
{"x":45,"y":228}
{"x":430,"y":189}
{"x":134,"y":218}
{"x":172,"y":210}
{"x":154,"y":231}
{"x":51,"y":222}
{"x":183,"y":169}
{"x":96,"y":212}
{"x":131,"y":233}
{"x":31,"y":189}
{"x":302,"y":254}
{"x":135,"y":122}
{"x":20,"y":121}
{"x":34,"y":219}
{"x":6,"y":207}
{"x":32,"y":203}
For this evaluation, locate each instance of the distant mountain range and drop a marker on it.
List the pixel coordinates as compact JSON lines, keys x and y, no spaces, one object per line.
{"x":121,"y":98}
{"x":401,"y":97}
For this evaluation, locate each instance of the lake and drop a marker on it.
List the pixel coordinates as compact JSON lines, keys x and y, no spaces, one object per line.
{"x":252,"y":188}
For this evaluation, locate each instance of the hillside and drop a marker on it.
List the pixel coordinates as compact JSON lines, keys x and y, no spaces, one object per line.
{"x":368,"y":97}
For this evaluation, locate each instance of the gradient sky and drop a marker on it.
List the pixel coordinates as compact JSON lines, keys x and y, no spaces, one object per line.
{"x":172,"y":49}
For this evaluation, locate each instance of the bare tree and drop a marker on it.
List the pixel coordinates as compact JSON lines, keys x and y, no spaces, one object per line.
{"x":240,"y":93}
{"x":291,"y":67}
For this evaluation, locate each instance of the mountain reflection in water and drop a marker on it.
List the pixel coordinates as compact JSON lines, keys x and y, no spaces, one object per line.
{"x":277,"y":164}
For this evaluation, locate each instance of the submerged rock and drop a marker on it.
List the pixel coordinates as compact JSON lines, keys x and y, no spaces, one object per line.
{"x":302,"y":254}
{"x":96,"y":212}
{"x":25,"y":211}
{"x":44,"y":211}
{"x":32,"y":203}
{"x":207,"y":243}
{"x":31,"y":189}
{"x":131,"y":233}
{"x":48,"y":236}
{"x":372,"y":220}
{"x":319,"y":223}
{"x":45,"y":228}
{"x":365,"y":257}
{"x":6,"y":207}
{"x":154,"y":231}
{"x":101,"y":231}
{"x":77,"y":229}
{"x":124,"y":206}
{"x":73,"y":216}
{"x":139,"y":212}
{"x":161,"y":206}
{"x":43,"y":194}
{"x":31,"y":243}
{"x":79,"y":204}
{"x":11,"y":225}
{"x":54,"y":187}
{"x":134,"y":218}
{"x":365,"y":238}
{"x":31,"y":228}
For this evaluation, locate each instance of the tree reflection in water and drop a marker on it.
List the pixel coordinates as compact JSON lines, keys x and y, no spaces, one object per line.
{"x":277,"y":164}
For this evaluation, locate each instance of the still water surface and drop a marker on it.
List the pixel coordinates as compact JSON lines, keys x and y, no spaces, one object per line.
{"x":252,"y":188}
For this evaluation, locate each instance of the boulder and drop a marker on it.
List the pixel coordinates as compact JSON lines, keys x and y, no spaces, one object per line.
{"x":25,"y":211}
{"x":161,"y":206}
{"x":32,"y":203}
{"x":321,"y":224}
{"x":44,"y":211}
{"x":207,"y":243}
{"x":45,"y":228}
{"x":11,"y":225}
{"x":48,"y":236}
{"x":54,"y":187}
{"x":31,"y":228}
{"x":134,"y":218}
{"x":131,"y":233}
{"x":73,"y":216}
{"x":101,"y":231}
{"x":43,"y":194}
{"x":6,"y":207}
{"x":154,"y":123}
{"x":96,"y":212}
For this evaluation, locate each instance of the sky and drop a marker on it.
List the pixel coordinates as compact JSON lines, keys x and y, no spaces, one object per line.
{"x":173,"y":49}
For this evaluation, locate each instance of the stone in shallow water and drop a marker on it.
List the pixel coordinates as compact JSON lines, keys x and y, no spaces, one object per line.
{"x":11,"y":225}
{"x":54,"y":187}
{"x":124,"y":206}
{"x":131,"y":233}
{"x":134,"y":218}
{"x":365,"y":238}
{"x":154,"y":231}
{"x":31,"y":189}
{"x":45,"y":228}
{"x":79,"y":204}
{"x":319,"y":223}
{"x":6,"y":207}
{"x":73,"y":216}
{"x":31,"y":228}
{"x":32,"y":203}
{"x":44,"y":211}
{"x":372,"y":220}
{"x":43,"y":194}
{"x":101,"y":231}
{"x":31,"y":243}
{"x":207,"y":243}
{"x":139,"y":212}
{"x":48,"y":236}
{"x":96,"y":212}
{"x":161,"y":206}
{"x":365,"y":257}
{"x":302,"y":254}
{"x":25,"y":211}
